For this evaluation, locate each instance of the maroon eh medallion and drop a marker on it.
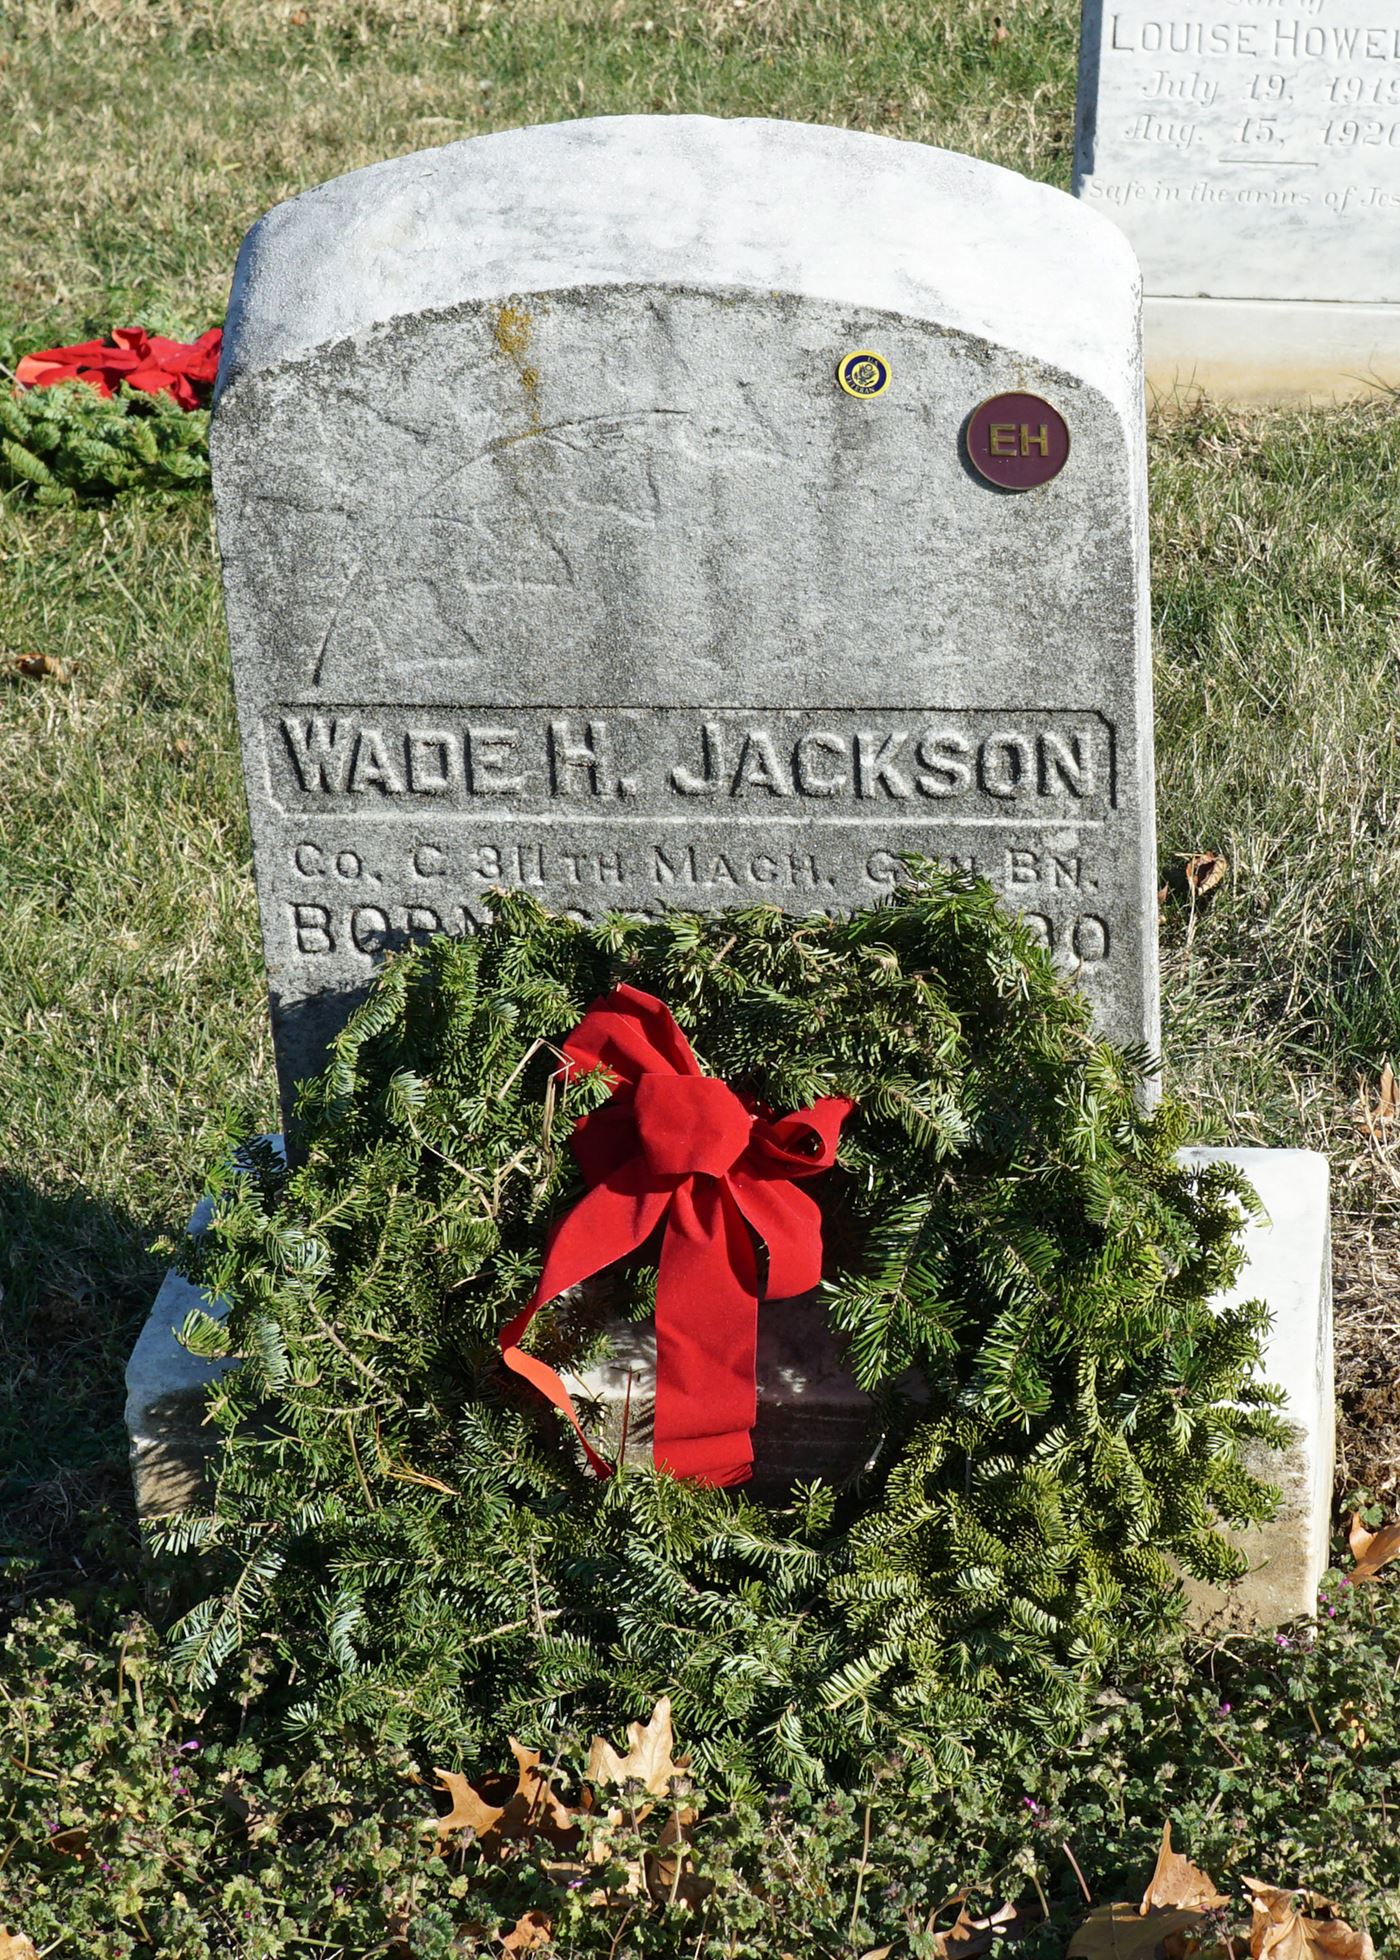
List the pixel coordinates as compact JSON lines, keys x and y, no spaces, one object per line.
{"x":1017,"y":441}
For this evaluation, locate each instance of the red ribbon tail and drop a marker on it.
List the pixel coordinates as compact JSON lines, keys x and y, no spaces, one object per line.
{"x":548,"y":1384}
{"x":607,"y":1222}
{"x":706,"y":1338}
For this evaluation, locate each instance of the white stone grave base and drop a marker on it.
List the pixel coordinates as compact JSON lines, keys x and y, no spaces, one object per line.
{"x":1288,"y":1264}
{"x":812,"y":1417}
{"x":1245,"y":350}
{"x":166,"y":1387}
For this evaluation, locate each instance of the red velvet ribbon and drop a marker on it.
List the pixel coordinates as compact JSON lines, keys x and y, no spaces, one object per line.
{"x":679,"y":1146}
{"x":182,"y":369}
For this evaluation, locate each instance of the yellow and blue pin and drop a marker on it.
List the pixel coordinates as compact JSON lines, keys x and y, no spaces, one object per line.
{"x":863,"y":374}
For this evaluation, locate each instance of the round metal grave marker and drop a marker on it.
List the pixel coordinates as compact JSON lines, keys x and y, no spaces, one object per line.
{"x":864,"y":374}
{"x":1017,"y":441}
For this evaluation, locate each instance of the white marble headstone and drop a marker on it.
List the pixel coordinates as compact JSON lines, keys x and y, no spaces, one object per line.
{"x":1250,"y":150}
{"x":557,"y":554}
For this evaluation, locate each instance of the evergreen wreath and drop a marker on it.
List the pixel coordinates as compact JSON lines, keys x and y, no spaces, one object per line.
{"x":68,"y":445}
{"x":417,"y":1535}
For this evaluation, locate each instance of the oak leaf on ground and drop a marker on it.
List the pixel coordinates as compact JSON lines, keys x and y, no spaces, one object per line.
{"x":1204,"y":870}
{"x":1371,"y":1549}
{"x":73,"y":1844}
{"x":571,"y":1874}
{"x":533,"y":1809}
{"x":470,"y":1811}
{"x":1177,"y":1883}
{"x":42,"y":666}
{"x":968,"y":1937}
{"x":1123,"y":1931}
{"x":649,"y":1761}
{"x":16,"y":1946}
{"x":1282,"y":1930}
{"x":530,"y":1930}
{"x":670,"y":1868}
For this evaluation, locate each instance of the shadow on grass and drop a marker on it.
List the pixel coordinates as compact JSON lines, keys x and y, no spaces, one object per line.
{"x":76,"y":1280}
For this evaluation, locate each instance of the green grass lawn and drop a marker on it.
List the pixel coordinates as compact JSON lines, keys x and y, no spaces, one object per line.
{"x":137,"y":142}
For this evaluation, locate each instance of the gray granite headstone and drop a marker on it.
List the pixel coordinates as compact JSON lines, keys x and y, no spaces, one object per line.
{"x":1250,"y":149}
{"x":556,"y":554}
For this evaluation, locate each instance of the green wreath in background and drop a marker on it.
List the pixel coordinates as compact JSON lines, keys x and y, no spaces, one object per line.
{"x":1019,"y":1270}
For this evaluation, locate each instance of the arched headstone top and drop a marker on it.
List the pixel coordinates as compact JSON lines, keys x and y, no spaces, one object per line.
{"x":693,"y":201}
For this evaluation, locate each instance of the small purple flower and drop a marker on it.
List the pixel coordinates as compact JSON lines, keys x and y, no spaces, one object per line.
{"x":190,"y":1745}
{"x":1224,"y":1708}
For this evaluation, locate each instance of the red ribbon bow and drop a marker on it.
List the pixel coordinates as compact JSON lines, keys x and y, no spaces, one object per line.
{"x":677,"y":1145}
{"x":148,"y":361}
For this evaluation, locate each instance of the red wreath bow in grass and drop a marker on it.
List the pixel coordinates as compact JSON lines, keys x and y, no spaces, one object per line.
{"x":677,"y":1146}
{"x":182,"y":369}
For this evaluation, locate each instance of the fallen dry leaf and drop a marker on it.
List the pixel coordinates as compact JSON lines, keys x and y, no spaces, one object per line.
{"x":42,"y":667}
{"x":670,"y":1869}
{"x":533,"y":1808}
{"x":1204,"y":870}
{"x":877,"y":1953}
{"x":603,"y":1851}
{"x":530,"y":1930}
{"x":1283,"y":1931}
{"x":73,"y":1844}
{"x":1124,"y":1932}
{"x":1385,"y":1107}
{"x":1371,"y":1549}
{"x":1176,"y":1882}
{"x":1000,"y":32}
{"x":15,"y":1946}
{"x":649,"y":1760}
{"x":469,"y":1812}
{"x":572,"y":1874}
{"x":545,"y":1809}
{"x":967,"y":1937}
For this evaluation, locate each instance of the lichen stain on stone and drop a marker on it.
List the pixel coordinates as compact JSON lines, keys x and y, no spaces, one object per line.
{"x":512,"y":329}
